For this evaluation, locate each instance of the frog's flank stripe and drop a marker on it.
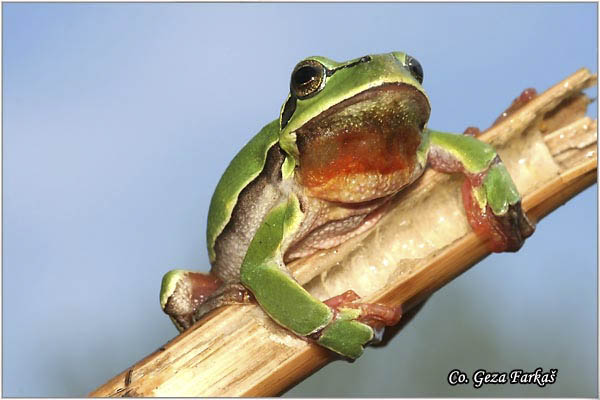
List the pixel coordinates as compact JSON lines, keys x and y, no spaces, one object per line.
{"x":348,"y":65}
{"x":242,"y":170}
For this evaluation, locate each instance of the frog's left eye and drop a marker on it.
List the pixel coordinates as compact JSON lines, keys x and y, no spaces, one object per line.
{"x":308,"y":78}
{"x":415,"y":68}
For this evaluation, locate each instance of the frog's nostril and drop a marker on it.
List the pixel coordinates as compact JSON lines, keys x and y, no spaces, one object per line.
{"x":399,"y":56}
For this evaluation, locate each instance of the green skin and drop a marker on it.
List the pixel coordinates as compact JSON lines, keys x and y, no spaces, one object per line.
{"x":345,"y":328}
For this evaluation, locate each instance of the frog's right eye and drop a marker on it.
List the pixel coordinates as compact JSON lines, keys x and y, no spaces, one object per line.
{"x":308,"y":78}
{"x":415,"y":68}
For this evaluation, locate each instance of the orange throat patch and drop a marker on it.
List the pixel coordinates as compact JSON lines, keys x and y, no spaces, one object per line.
{"x":365,"y":147}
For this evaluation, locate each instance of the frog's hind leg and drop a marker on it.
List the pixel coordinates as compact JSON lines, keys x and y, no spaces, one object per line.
{"x":229,"y":293}
{"x":187,"y":295}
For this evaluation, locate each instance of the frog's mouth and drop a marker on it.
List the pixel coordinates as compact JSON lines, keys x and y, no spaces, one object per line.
{"x":364,"y":147}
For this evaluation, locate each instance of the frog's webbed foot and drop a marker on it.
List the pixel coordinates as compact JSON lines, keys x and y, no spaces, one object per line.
{"x":187,"y":295}
{"x":370,"y":313}
{"x":376,"y":316}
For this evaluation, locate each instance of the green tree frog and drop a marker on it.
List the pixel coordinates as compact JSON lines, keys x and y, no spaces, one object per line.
{"x":350,"y":135}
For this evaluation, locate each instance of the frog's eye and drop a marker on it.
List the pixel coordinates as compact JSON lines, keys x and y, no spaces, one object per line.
{"x":415,"y":68}
{"x":308,"y":78}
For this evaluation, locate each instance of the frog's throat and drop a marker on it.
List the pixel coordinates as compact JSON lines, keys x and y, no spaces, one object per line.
{"x":364,"y":148}
{"x":288,"y":139}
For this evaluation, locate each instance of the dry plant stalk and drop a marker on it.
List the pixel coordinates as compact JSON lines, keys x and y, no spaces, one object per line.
{"x":549,"y":147}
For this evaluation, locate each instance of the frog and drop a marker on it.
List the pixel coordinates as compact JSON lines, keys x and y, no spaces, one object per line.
{"x":350,"y":137}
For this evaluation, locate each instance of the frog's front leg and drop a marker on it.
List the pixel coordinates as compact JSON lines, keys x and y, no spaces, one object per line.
{"x":491,"y":199}
{"x":342,"y":325}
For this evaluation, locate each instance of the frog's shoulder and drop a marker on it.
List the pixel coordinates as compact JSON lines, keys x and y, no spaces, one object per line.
{"x":242,"y":170}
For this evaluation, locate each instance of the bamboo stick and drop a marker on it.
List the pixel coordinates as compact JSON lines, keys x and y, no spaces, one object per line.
{"x":238,"y":351}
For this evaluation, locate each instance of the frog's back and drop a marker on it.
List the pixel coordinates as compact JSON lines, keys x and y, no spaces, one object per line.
{"x":243,"y":169}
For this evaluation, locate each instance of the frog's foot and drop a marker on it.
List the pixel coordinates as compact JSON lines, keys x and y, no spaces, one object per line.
{"x":525,"y":97}
{"x":472,"y":131}
{"x":377,"y":316}
{"x":186,"y":295}
{"x":354,"y":324}
{"x":229,"y":293}
{"x":505,"y":230}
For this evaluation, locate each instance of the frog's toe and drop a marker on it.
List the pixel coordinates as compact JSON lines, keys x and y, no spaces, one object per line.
{"x":516,"y":227}
{"x":347,"y":297}
{"x":375,"y":315}
{"x":510,"y":230}
{"x":472,"y":131}
{"x":506,"y":232}
{"x":230,"y":293}
{"x":355,"y":324}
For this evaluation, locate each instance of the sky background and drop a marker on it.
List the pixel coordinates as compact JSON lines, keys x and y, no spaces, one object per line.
{"x":120,"y":118}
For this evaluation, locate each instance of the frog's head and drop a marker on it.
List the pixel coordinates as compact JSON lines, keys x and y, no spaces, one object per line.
{"x":353,"y":130}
